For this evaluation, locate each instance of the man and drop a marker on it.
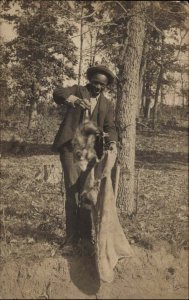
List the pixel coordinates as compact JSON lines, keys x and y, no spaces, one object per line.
{"x":82,"y":101}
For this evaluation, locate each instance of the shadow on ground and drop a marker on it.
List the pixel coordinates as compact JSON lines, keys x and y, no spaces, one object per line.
{"x":44,"y":232}
{"x":84,"y":274}
{"x":24,"y":149}
{"x":162,"y":159}
{"x":151,"y":156}
{"x":82,"y":269}
{"x":166,"y":132}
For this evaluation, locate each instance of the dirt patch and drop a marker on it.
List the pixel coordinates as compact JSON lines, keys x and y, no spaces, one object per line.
{"x":150,"y":275}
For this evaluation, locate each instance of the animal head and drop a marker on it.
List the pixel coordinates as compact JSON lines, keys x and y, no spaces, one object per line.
{"x":83,"y":144}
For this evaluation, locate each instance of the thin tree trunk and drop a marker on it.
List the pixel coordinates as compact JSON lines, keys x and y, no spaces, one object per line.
{"x":81,"y":47}
{"x":63,"y":68}
{"x":159,"y":83}
{"x":161,"y":93}
{"x":33,"y":106}
{"x":127,"y":101}
{"x":95,"y":47}
{"x":182,"y":84}
{"x":174,"y":97}
{"x":140,"y":90}
{"x":143,"y":97}
{"x":148,"y":96}
{"x":91,"y":48}
{"x":32,"y":115}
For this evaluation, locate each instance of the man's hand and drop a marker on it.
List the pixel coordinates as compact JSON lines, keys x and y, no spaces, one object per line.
{"x":84,"y":103}
{"x":71,"y":100}
{"x":74,"y":100}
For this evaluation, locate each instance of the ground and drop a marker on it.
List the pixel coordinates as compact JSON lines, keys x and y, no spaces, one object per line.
{"x":33,"y":226}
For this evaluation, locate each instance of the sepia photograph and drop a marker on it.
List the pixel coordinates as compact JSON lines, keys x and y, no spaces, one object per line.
{"x":94,"y":106}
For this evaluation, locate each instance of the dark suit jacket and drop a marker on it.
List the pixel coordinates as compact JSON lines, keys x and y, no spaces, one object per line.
{"x":102,"y":115}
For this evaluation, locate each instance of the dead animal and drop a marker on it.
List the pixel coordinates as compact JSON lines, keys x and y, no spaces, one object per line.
{"x":84,"y":143}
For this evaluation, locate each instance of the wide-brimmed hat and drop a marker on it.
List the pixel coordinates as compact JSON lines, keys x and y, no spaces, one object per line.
{"x":100,"y":69}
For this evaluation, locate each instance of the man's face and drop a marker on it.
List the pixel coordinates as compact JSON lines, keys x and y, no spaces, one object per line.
{"x":98,"y":83}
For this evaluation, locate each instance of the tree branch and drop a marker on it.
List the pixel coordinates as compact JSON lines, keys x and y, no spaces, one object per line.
{"x":79,"y":34}
{"x":180,"y":45}
{"x":88,"y":16}
{"x":118,"y":2}
{"x":150,"y":23}
{"x":155,"y":27}
{"x":28,"y":38}
{"x":78,"y":17}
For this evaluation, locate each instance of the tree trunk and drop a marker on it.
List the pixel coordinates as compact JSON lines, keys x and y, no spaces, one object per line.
{"x":174,"y":96}
{"x":127,"y":103}
{"x":147,"y":91}
{"x":33,"y":106}
{"x":81,"y":47}
{"x":161,"y":95}
{"x":32,"y":115}
{"x":63,"y":68}
{"x":91,"y":48}
{"x":147,"y":104}
{"x":141,"y":79}
{"x":159,"y":83}
{"x":142,"y":98}
{"x":140,"y":90}
{"x":95,"y":47}
{"x":182,"y":85}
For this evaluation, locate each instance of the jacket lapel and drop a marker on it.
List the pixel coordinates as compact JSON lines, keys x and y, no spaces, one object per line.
{"x":99,"y":111}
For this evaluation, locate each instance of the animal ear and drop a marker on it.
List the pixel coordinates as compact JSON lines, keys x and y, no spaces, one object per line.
{"x":91,"y":140}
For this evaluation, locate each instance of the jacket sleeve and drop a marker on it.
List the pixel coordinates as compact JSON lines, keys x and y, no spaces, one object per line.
{"x":109,"y":125}
{"x":60,"y":94}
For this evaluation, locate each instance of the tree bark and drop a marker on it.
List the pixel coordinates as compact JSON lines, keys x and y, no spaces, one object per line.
{"x":81,"y":47}
{"x":141,"y":79}
{"x":127,"y":103}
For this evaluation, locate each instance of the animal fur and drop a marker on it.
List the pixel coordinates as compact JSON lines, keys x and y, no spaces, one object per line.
{"x":83,"y":144}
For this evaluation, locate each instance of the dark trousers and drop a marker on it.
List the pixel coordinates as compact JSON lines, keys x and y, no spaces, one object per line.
{"x":78,"y":218}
